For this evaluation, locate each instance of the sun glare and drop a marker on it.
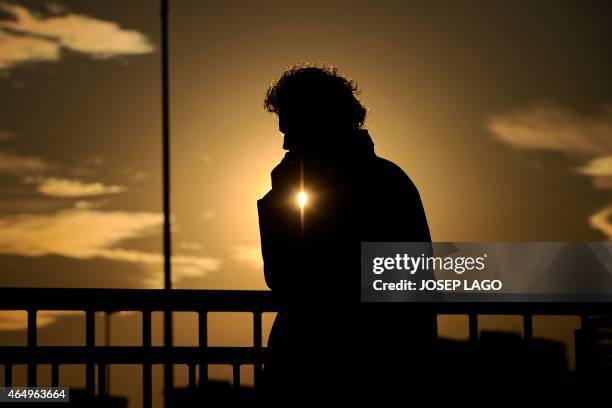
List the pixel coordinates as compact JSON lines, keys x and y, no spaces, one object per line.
{"x":302,"y":198}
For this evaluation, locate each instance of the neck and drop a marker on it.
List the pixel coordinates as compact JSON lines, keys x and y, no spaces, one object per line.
{"x":350,"y":141}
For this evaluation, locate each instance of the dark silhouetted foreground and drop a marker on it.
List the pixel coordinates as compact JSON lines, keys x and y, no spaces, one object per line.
{"x":324,"y":342}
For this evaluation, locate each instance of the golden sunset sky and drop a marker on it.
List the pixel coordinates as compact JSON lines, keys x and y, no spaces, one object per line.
{"x":499,"y":111}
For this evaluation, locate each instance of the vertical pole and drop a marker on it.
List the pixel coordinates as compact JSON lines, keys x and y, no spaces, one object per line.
{"x":168,"y":374}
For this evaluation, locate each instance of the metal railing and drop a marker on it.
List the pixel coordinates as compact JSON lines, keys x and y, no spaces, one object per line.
{"x":90,"y":301}
{"x":146,"y":301}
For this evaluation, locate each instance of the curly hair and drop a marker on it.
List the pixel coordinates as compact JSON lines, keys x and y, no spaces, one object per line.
{"x":317,"y":88}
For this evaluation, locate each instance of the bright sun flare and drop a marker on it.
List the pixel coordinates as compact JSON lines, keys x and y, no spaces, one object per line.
{"x":302,"y":198}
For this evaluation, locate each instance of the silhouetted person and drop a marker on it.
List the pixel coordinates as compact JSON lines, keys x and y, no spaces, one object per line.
{"x":324,"y":342}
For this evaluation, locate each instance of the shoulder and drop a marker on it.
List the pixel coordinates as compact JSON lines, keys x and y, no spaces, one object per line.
{"x":392,"y":175}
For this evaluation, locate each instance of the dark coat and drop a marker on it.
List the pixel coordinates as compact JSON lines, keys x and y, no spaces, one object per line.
{"x":324,"y":338}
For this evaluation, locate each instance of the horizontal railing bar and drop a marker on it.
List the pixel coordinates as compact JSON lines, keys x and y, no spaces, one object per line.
{"x":110,"y":300}
{"x":135,"y":299}
{"x":129,"y":355}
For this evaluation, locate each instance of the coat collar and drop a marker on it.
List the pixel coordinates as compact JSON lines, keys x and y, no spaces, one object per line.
{"x":354,"y":143}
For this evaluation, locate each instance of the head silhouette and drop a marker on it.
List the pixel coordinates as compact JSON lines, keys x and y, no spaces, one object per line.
{"x":315,"y":105}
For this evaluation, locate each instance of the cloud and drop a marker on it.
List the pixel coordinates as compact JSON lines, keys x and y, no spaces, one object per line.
{"x":13,"y":163}
{"x":17,"y":49}
{"x":602,"y":220}
{"x":89,"y":234}
{"x":251,"y":255}
{"x":578,"y":136}
{"x":190,"y":246}
{"x":29,"y":37}
{"x":183,"y":266}
{"x":550,"y":127}
{"x":601,"y":166}
{"x":59,"y":187}
{"x":73,"y":233}
{"x":136,"y":175}
{"x":601,"y":170}
{"x":88,"y":205}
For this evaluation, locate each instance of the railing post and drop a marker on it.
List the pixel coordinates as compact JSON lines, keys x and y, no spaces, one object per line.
{"x":107,"y":342}
{"x":102,"y":379}
{"x":8,"y":375}
{"x":584,"y":321}
{"x":528,"y":327}
{"x":257,"y":344}
{"x":90,"y":343}
{"x":192,"y":375}
{"x":473,"y":328}
{"x":203,"y":343}
{"x":147,"y":377}
{"x":32,"y":343}
{"x":55,"y":375}
{"x":236,"y":375}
